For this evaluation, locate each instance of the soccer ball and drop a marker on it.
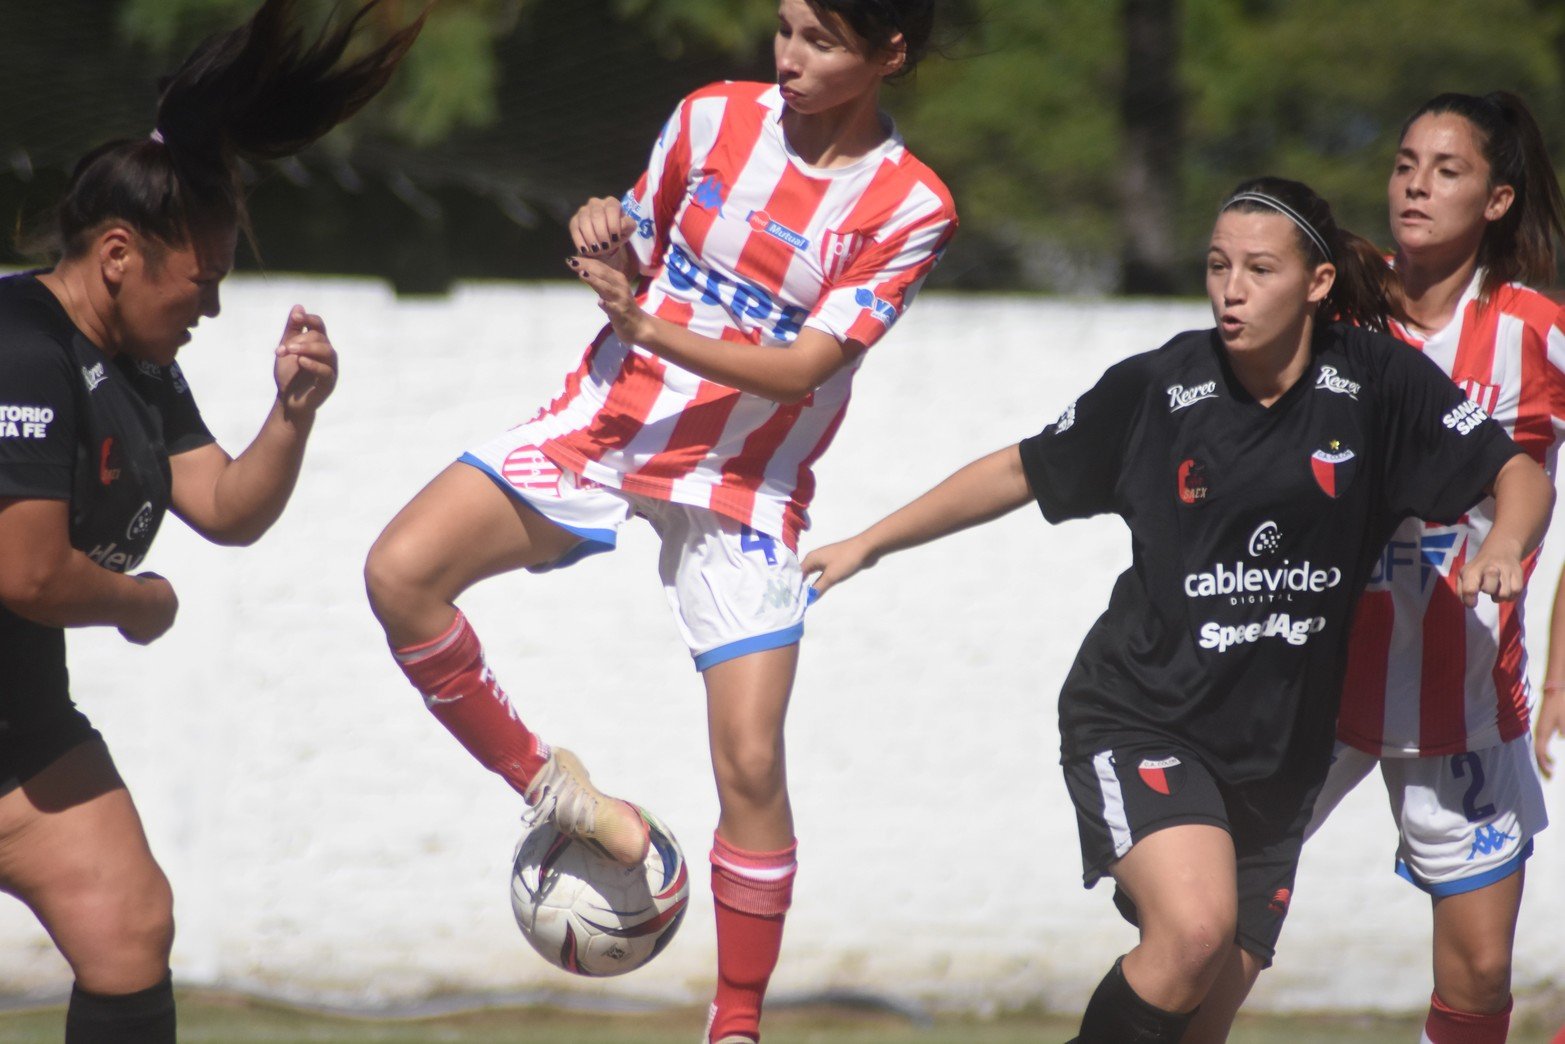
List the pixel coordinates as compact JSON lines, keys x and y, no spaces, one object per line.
{"x":588,"y":914}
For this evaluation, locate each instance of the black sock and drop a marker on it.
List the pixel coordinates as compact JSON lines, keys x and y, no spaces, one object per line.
{"x":1117,"y":1015}
{"x":144,"y":1017}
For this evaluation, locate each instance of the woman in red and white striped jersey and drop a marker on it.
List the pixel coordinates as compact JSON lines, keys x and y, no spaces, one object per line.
{"x":1436,"y":692}
{"x":778,"y":232}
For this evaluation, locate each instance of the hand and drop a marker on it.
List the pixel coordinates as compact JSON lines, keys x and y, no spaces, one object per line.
{"x":602,"y":230}
{"x":616,"y":297}
{"x":1496,"y":573}
{"x":306,"y":367}
{"x":1550,"y":725}
{"x":155,"y":611}
{"x":836,"y":563}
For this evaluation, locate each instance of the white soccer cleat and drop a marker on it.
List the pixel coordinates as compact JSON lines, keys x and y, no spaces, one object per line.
{"x":563,"y":793}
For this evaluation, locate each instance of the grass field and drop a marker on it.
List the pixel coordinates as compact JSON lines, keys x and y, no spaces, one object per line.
{"x":207,"y":1017}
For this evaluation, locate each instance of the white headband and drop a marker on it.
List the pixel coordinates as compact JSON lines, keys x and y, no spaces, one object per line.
{"x":1288,"y":212}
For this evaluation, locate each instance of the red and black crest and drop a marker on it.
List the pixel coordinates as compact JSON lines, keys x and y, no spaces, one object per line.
{"x":1333,"y":466}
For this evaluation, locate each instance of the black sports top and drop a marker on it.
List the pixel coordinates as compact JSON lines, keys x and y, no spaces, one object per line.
{"x":1253,"y":530}
{"x":78,"y":426}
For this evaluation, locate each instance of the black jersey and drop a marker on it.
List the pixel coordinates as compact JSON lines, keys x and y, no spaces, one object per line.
{"x":80,"y":427}
{"x":1253,"y":529}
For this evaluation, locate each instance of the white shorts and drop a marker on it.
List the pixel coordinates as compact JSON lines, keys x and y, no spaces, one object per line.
{"x":733,"y":591}
{"x":1466,"y":820}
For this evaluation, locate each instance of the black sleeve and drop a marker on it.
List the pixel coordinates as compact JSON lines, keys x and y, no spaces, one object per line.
{"x":1074,"y":464}
{"x":1443,"y":450}
{"x":37,"y":418}
{"x":165,"y":389}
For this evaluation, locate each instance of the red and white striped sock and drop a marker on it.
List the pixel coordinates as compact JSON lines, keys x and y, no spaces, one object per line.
{"x":1446,"y":1025}
{"x":461,"y":692}
{"x":753,"y":891}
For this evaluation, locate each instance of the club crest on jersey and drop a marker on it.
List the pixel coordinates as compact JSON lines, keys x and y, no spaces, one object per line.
{"x":761,"y":221}
{"x":1485,"y":396}
{"x":1163,"y":775}
{"x":527,"y":468}
{"x":1193,"y":486}
{"x":837,"y":251}
{"x":1333,"y":466}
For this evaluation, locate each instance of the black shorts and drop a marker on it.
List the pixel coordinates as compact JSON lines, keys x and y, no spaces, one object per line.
{"x":38,"y":721}
{"x":1123,"y":795}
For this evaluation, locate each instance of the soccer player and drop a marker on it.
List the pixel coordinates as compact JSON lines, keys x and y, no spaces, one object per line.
{"x":1261,"y":467}
{"x":1436,"y":692}
{"x":99,"y":436}
{"x":778,"y":232}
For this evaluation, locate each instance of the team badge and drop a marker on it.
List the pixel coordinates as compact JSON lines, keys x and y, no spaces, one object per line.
{"x":1193,"y":486}
{"x":1486,"y":396}
{"x":837,"y":251}
{"x":1163,"y":775}
{"x":527,"y":468}
{"x":108,"y":462}
{"x":1333,"y":467}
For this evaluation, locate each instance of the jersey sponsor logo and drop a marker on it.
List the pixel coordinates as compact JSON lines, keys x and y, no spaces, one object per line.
{"x":94,"y":376}
{"x":110,"y":557}
{"x":108,"y":462}
{"x":1485,"y":395}
{"x":149,"y":369}
{"x":761,"y":221}
{"x":630,"y":207}
{"x":1432,"y":554}
{"x":1330,"y":380}
{"x":1465,"y":418}
{"x":740,"y":298}
{"x":710,"y":193}
{"x":24,"y":422}
{"x":1223,"y":637}
{"x":837,"y":251}
{"x":140,"y":523}
{"x":176,"y":377}
{"x":528,"y":469}
{"x":1067,"y":419}
{"x":1333,"y":467}
{"x":1265,"y":541}
{"x":879,"y":308}
{"x":1180,"y":397}
{"x":1487,"y":840}
{"x":1193,"y":486}
{"x":1279,"y":901}
{"x":1244,"y":583}
{"x":1163,"y":775}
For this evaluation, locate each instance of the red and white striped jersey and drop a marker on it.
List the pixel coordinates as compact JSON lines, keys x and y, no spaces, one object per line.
{"x":1426,"y":675}
{"x":740,"y":240}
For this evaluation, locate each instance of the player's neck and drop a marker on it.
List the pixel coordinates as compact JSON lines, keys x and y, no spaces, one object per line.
{"x":72,"y":286}
{"x":837,"y":137}
{"x":1268,"y":371}
{"x":1432,"y":287}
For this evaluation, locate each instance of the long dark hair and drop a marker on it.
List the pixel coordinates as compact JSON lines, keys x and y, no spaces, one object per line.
{"x":877,"y":21}
{"x":1365,"y":290}
{"x":256,"y":92}
{"x":1519,"y":246}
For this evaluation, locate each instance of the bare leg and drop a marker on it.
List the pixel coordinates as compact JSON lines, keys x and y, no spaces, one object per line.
{"x":1474,"y":934}
{"x":72,"y":848}
{"x":1215,"y":1018}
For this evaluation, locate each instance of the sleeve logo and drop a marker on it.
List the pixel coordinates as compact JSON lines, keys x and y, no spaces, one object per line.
{"x":1465,"y":417}
{"x":25,"y":422}
{"x":881,"y":309}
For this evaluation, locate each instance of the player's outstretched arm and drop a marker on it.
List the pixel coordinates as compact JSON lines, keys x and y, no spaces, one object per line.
{"x":980,"y":492}
{"x":1549,"y":723}
{"x":234,"y":500}
{"x":1523,"y":502}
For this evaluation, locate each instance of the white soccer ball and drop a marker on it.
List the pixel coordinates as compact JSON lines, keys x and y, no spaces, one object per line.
{"x":588,"y":914}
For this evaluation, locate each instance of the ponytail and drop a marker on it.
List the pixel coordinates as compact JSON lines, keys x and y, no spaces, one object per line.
{"x":254,"y":93}
{"x":1365,"y":289}
{"x":1520,"y":246}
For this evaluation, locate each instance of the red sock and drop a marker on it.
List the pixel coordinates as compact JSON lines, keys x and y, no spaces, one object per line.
{"x":753,"y":892}
{"x":1449,"y":1026}
{"x":461,"y":691}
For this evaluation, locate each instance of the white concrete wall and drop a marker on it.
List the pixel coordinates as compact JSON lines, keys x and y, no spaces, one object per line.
{"x":328,"y":841}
